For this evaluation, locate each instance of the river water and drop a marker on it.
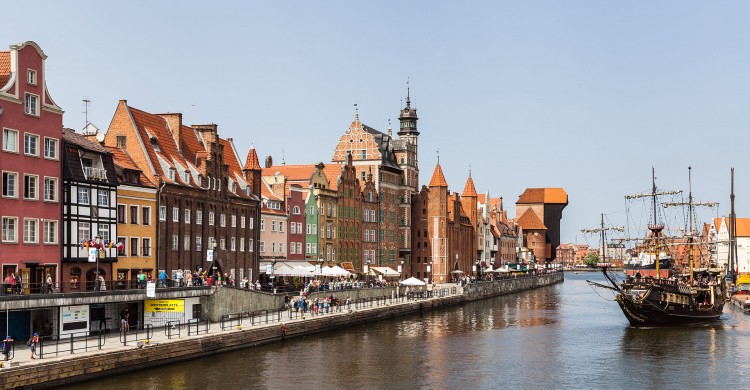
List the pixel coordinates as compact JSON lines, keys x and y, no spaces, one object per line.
{"x":564,"y":337}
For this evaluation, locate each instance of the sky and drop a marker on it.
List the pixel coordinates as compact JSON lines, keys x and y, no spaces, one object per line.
{"x":583,"y":95}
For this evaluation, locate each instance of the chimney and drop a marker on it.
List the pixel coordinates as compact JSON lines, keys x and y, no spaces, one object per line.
{"x":174,"y":123}
{"x":269,"y":162}
{"x":208,"y":132}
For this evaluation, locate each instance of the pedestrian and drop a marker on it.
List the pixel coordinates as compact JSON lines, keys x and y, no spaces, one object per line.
{"x":49,"y":284}
{"x":163,"y":278}
{"x":33,"y":342}
{"x":124,"y":320}
{"x":102,"y":284}
{"x":180,"y":275}
{"x":7,"y":343}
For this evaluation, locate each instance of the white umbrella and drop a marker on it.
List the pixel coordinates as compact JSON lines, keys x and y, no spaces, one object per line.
{"x":412,"y":282}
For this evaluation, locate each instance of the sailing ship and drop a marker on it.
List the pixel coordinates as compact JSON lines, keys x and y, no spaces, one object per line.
{"x":669,"y":299}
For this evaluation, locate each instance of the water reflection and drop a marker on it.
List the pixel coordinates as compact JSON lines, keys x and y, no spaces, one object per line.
{"x":564,"y":336}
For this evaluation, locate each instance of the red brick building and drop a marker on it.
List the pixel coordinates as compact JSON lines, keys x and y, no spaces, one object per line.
{"x":30,"y":159}
{"x":209,"y":206}
{"x":539,"y":211}
{"x":350,"y":216}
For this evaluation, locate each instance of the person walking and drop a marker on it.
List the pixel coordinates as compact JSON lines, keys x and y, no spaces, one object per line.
{"x":7,"y":343}
{"x":33,"y":343}
{"x":49,"y":284}
{"x":124,"y":320}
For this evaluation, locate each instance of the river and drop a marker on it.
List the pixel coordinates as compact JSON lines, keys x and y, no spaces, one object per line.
{"x":564,"y":337}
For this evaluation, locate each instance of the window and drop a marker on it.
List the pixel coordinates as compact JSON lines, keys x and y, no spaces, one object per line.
{"x":30,"y":183}
{"x":273,"y":226}
{"x":50,"y":189}
{"x":102,"y":198}
{"x":198,"y":243}
{"x":121,"y":244}
{"x":50,"y":148}
{"x":242,"y":244}
{"x":187,"y":215}
{"x":186,"y":242}
{"x":222,"y":244}
{"x":223,"y":220}
{"x":50,"y":232}
{"x":211,"y":218}
{"x":363,"y":176}
{"x":242,"y":222}
{"x":146,"y":211}
{"x":273,"y":247}
{"x":32,"y":105}
{"x":299,"y":247}
{"x":10,"y":229}
{"x":175,"y":214}
{"x":234,"y":221}
{"x":307,"y":227}
{"x":104,"y":232}
{"x":84,"y":231}
{"x":133,"y":215}
{"x":262,"y":247}
{"x":30,"y":231}
{"x":175,"y":242}
{"x":120,"y":213}
{"x":146,"y":247}
{"x":367,"y":236}
{"x":198,"y":217}
{"x":10,"y":140}
{"x":250,"y":223}
{"x":293,"y":228}
{"x":262,"y":225}
{"x":83,"y":195}
{"x":296,"y":210}
{"x":232,"y":244}
{"x":281,"y":226}
{"x":162,"y":213}
{"x":299,"y":227}
{"x":31,"y":77}
{"x":31,"y":144}
{"x":292,"y":248}
{"x":10,"y":183}
{"x":250,"y":246}
{"x":367,"y":216}
{"x":308,"y":248}
{"x":134,"y":246}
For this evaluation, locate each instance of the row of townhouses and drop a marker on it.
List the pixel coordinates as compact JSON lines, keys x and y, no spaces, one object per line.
{"x":153,"y":194}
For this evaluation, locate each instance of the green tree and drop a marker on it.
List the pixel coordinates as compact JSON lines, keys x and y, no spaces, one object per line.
{"x":591,"y":259}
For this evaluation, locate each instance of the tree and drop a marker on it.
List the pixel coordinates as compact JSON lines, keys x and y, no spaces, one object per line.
{"x":591,"y":260}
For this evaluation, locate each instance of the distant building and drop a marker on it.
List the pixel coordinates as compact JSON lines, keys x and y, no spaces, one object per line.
{"x":538,"y":212}
{"x":721,"y":242}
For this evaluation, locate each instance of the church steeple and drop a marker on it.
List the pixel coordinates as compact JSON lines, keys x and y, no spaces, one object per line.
{"x":408,"y":117}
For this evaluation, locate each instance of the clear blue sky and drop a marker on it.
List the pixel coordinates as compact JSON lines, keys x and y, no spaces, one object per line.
{"x":585,"y":95}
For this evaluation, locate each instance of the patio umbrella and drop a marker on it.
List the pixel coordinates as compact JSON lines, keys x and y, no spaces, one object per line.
{"x":412,"y":282}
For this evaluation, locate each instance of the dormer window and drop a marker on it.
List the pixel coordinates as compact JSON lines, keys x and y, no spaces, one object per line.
{"x":186,"y":177}
{"x":31,"y":77}
{"x":170,"y":174}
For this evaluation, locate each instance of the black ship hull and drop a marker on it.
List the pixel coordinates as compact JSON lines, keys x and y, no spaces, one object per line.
{"x":650,"y":314}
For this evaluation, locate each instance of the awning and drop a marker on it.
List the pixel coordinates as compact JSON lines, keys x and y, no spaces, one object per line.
{"x":385,"y":271}
{"x":347,"y":265}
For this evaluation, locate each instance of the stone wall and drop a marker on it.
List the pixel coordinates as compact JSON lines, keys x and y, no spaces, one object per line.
{"x":229,"y":300}
{"x":355,"y":294}
{"x":512,"y":285}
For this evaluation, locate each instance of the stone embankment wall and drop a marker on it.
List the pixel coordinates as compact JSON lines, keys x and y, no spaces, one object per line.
{"x":228,"y":300}
{"x":43,"y":375}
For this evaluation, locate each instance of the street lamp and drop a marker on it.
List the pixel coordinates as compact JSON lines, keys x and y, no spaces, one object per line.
{"x":98,"y":241}
{"x":492,"y":265}
{"x":367,"y":271}
{"x":401,"y":270}
{"x":319,"y":269}
{"x":478,"y":269}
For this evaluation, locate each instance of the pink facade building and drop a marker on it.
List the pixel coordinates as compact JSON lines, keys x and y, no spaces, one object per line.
{"x":31,"y":125}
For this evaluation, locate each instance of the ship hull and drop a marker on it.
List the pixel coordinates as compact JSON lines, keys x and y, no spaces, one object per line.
{"x":651,"y":314}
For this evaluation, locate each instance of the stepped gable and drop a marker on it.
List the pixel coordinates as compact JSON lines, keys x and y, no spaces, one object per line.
{"x":438,"y":178}
{"x":543,"y":195}
{"x":469,"y":189}
{"x":530,"y":221}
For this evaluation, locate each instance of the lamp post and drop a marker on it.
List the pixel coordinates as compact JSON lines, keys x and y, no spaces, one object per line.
{"x":492,"y":265}
{"x":401,"y":270}
{"x":319,"y":270}
{"x":367,"y":271}
{"x":478,"y":273}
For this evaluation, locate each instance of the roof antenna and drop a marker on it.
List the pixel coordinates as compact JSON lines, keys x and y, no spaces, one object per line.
{"x":438,"y":155}
{"x":283,"y":160}
{"x":86,"y":103}
{"x":356,"y":111}
{"x":469,"y":169}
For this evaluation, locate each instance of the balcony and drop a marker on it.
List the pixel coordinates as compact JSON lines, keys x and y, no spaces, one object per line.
{"x":95,"y":173}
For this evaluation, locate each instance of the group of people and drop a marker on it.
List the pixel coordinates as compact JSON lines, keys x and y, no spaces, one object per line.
{"x":7,"y":346}
{"x":315,"y":306}
{"x":12,"y":284}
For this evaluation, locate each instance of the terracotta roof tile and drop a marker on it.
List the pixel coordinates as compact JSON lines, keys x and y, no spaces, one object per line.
{"x":482,"y":198}
{"x":543,"y":195}
{"x":301,"y":174}
{"x":438,"y":178}
{"x":80,"y":140}
{"x":252,"y":163}
{"x":743,"y":225}
{"x":530,"y":221}
{"x":469,"y":189}
{"x":123,"y":161}
{"x":192,"y":146}
{"x":4,"y":67}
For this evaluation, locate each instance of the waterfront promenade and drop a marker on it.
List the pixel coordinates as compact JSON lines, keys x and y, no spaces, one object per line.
{"x":109,"y":354}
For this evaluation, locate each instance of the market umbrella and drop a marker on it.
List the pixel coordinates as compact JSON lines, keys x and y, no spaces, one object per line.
{"x":412,"y":282}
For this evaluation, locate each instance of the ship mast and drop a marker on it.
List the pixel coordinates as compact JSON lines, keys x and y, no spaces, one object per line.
{"x":732,"y":233}
{"x":602,"y":234}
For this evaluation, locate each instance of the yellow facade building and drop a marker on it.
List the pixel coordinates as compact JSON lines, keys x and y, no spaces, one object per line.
{"x":136,"y":222}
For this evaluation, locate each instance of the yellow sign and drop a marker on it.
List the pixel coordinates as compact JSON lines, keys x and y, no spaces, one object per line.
{"x":164,"y":305}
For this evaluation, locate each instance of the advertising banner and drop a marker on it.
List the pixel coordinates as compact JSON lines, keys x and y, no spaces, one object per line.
{"x":164,"y":305}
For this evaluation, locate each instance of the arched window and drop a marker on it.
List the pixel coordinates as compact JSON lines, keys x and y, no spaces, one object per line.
{"x":296,"y":210}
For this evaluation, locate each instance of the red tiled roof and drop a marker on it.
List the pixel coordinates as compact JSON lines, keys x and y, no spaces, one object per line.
{"x":4,"y":67}
{"x":743,"y":225}
{"x":252,"y":163}
{"x":482,"y":198}
{"x":438,"y":178}
{"x":530,"y":221}
{"x":469,"y":189}
{"x":543,"y":195}
{"x":265,"y":191}
{"x":157,"y":126}
{"x":123,"y":160}
{"x":230,"y":158}
{"x":301,"y":174}
{"x":192,"y":147}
